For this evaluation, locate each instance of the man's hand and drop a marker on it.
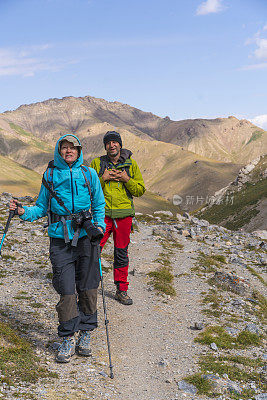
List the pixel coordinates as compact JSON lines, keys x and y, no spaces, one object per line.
{"x":109,"y":175}
{"x":13,"y":205}
{"x":115,"y":175}
{"x":122,"y":176}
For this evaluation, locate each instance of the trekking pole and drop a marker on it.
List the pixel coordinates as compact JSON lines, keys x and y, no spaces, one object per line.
{"x":10,"y":216}
{"x":105,"y":311}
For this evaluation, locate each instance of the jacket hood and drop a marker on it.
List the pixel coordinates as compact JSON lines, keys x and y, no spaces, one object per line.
{"x":59,"y":162}
{"x":124,"y":155}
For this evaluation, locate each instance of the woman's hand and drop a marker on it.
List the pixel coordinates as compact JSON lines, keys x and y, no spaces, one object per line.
{"x":13,"y":205}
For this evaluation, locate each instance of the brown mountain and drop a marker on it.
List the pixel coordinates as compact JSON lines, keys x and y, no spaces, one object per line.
{"x":28,"y":134}
{"x":225,"y":139}
{"x":222,"y":139}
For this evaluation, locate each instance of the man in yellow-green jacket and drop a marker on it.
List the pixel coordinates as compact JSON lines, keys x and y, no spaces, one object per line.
{"x":121,"y":180}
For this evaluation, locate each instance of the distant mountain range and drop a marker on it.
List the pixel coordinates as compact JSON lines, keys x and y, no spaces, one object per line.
{"x":191,"y":158}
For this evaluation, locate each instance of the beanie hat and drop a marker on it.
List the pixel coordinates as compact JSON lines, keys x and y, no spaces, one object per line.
{"x":112,"y":136}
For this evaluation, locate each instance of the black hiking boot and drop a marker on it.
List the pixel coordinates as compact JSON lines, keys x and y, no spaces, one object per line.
{"x":123,"y":298}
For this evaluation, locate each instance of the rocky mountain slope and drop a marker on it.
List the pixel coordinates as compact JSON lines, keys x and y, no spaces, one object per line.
{"x":226,"y":139}
{"x":196,"y":328}
{"x":222,"y":139}
{"x":28,"y":135}
{"x":242,"y":203}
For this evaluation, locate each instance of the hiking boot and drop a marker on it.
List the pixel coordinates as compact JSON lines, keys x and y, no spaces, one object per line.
{"x":66,"y":349}
{"x":83,"y":344}
{"x":123,"y":298}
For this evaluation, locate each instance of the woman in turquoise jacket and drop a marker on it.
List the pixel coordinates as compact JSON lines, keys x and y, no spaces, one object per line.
{"x":72,"y":196}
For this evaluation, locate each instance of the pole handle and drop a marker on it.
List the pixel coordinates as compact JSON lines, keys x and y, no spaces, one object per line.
{"x":11,"y":214}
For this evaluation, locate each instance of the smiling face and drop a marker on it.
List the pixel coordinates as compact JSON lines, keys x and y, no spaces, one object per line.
{"x":68,"y":152}
{"x":113,"y":149}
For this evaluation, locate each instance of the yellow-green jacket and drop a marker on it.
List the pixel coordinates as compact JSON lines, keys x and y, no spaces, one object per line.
{"x":119,"y":195}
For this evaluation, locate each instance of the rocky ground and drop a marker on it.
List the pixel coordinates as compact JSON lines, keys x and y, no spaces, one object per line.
{"x":200,"y":317}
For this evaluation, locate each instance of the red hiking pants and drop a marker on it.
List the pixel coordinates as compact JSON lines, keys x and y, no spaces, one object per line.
{"x":121,"y":238}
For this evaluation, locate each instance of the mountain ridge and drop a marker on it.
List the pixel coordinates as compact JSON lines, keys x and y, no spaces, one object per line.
{"x":212,"y":138}
{"x":28,"y":134}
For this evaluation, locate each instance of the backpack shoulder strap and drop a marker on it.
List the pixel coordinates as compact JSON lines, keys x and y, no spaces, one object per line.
{"x":126,"y":166}
{"x":48,"y":184}
{"x":50,"y":170}
{"x":88,"y":178}
{"x":103,"y":164}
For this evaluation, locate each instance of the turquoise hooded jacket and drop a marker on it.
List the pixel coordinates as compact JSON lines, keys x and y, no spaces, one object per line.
{"x":69,"y":184}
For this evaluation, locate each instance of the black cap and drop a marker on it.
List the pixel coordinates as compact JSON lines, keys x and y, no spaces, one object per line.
{"x":112,"y":136}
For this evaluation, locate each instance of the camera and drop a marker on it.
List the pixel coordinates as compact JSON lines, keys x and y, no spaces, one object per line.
{"x":83,"y":220}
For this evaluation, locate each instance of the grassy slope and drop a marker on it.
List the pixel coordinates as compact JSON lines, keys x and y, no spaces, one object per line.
{"x":245,"y":202}
{"x":151,"y":202}
{"x":17,"y":179}
{"x":244,"y":207}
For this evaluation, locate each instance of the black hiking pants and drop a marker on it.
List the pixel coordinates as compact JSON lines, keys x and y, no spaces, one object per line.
{"x":76,"y":278}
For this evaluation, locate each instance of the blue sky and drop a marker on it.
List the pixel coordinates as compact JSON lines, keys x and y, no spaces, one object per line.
{"x":181,"y":58}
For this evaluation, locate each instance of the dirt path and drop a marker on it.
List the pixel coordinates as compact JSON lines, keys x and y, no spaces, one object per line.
{"x":151,"y":341}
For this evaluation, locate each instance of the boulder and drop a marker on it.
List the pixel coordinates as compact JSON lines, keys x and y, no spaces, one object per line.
{"x":162,"y":212}
{"x":261,"y":234}
{"x":223,"y":386}
{"x":187,"y":387}
{"x":252,"y":328}
{"x":231,"y":282}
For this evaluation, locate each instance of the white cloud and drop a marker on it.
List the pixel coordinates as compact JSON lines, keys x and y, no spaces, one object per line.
{"x":210,"y":6}
{"x":260,"y":120}
{"x":261,"y":51}
{"x":24,"y":62}
{"x":254,"y":66}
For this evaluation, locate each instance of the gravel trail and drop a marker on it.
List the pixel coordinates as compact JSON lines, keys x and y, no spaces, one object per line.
{"x":152,"y":342}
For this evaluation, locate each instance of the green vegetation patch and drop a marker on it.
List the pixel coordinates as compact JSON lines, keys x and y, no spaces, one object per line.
{"x":163,"y":259}
{"x":235,"y":214}
{"x":49,"y":275}
{"x":145,"y":218}
{"x":22,"y":297}
{"x":3,"y":273}
{"x":162,"y":279}
{"x":208,"y":263}
{"x":36,"y":305}
{"x":203,"y":385}
{"x":19,"y":130}
{"x":33,"y":141}
{"x":261,"y":309}
{"x":8,"y":257}
{"x":255,"y":273}
{"x":211,"y":313}
{"x":255,"y":136}
{"x":238,"y":368}
{"x":18,"y":361}
{"x":171,"y":245}
{"x":218,"y":335}
{"x":213,"y":299}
